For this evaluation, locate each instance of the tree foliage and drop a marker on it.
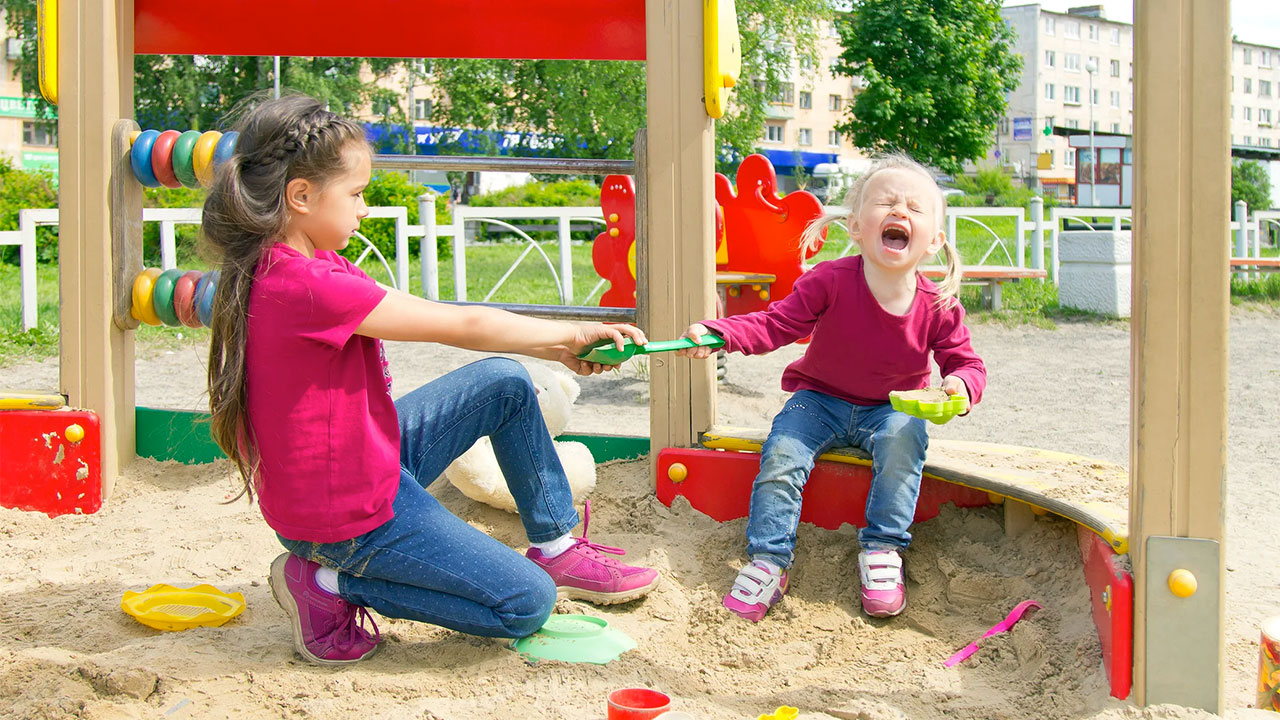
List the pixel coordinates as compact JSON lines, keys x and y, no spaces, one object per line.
{"x":936,"y":74}
{"x":1250,"y":183}
{"x":583,"y":108}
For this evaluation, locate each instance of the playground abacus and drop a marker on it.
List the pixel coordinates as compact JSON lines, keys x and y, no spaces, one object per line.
{"x":176,"y":159}
{"x":174,"y":297}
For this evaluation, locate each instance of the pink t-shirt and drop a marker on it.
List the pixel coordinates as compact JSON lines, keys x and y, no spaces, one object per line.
{"x":860,"y":352}
{"x":319,"y":398}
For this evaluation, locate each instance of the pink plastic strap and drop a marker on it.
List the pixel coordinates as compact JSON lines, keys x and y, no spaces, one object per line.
{"x":1004,"y":625}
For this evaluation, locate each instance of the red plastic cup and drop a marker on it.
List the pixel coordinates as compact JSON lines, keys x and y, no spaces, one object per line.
{"x":637,"y":704}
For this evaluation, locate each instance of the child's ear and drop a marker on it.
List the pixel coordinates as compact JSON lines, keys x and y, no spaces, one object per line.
{"x":938,"y":241}
{"x":298,"y":194}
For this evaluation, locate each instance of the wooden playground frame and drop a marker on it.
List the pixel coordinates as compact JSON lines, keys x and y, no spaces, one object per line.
{"x":1180,"y":303}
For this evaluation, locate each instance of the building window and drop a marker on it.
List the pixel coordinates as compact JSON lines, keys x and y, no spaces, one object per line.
{"x":1248,"y":56}
{"x":1002,"y":126}
{"x":833,"y":138}
{"x":1071,"y":30}
{"x":786,"y":94}
{"x":1264,"y":116}
{"x":805,"y":62}
{"x":1050,"y":25}
{"x":1093,"y":96}
{"x":1073,"y":124}
{"x":1264,"y":58}
{"x":1069,"y":157}
{"x":1071,"y":62}
{"x":1248,"y":86}
{"x":1248,"y":113}
{"x":1248,"y":139}
{"x":806,"y":100}
{"x":1115,"y":128}
{"x":421,"y":108}
{"x":1093,"y":32}
{"x":1115,"y":68}
{"x":1264,"y":88}
{"x":804,"y":136}
{"x":1048,"y":91}
{"x":1266,"y":142}
{"x":834,"y":102}
{"x":772,"y":133}
{"x":34,"y":133}
{"x":1071,"y":94}
{"x":1115,"y":36}
{"x":1115,"y":98}
{"x":1050,"y":58}
{"x":1096,"y":65}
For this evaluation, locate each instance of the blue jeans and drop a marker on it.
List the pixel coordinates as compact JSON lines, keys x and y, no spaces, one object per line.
{"x":428,"y":564}
{"x":810,"y":424}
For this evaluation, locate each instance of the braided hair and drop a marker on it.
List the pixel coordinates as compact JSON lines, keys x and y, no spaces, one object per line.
{"x":280,"y":140}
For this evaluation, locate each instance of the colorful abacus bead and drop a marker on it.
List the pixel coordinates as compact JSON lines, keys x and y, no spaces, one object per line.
{"x":183,"y":150}
{"x":184,"y":297}
{"x":140,"y":158}
{"x":162,"y":158}
{"x":225,"y":148}
{"x":143,"y":295}
{"x":202,"y":157}
{"x":162,"y":300}
{"x":205,"y":290}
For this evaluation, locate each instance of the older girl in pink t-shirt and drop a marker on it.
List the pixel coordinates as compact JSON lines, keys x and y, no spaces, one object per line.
{"x":301,"y":402}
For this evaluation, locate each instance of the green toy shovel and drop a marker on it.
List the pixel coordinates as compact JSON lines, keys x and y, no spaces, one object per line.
{"x":607,"y":352}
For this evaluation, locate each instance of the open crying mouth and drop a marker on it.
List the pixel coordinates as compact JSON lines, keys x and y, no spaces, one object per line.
{"x":894,"y":238}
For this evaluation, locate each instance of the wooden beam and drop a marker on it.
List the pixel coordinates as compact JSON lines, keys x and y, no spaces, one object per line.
{"x":95,"y":63}
{"x":679,"y":203}
{"x":1182,"y":60}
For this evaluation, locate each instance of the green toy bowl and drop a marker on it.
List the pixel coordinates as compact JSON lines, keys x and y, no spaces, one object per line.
{"x":576,"y":639}
{"x":920,"y":403}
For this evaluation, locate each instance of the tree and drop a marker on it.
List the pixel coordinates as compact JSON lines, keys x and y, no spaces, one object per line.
{"x":1250,"y":183}
{"x":581,"y":108}
{"x":936,"y":74}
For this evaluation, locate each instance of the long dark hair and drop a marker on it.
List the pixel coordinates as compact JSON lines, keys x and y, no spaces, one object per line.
{"x":280,"y":139}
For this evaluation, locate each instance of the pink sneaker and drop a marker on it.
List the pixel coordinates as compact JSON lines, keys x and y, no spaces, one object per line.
{"x":326,"y":628}
{"x":884,"y":594}
{"x":755,"y":590}
{"x":583,"y":572}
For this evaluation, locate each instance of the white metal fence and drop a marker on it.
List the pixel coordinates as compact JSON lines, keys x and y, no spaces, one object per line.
{"x":1032,"y":228}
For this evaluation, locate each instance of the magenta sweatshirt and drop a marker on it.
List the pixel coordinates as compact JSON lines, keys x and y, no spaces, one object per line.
{"x":859,"y":352}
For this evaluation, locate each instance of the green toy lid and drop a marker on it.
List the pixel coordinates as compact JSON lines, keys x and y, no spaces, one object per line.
{"x":932,"y":404}
{"x":575,"y":638}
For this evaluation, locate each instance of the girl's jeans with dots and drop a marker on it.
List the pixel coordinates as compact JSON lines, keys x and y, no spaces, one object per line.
{"x":810,"y":424}
{"x":428,"y":564}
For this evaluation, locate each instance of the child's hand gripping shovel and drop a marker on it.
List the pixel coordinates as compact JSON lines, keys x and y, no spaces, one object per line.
{"x":606,"y":352}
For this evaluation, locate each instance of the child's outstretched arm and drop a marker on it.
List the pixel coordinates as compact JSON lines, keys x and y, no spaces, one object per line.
{"x":782,"y":323}
{"x":401,"y":316}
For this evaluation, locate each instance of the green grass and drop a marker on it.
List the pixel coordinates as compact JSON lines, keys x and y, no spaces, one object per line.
{"x":1030,"y":302}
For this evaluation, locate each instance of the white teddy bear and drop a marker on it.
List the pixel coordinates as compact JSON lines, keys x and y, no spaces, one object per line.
{"x":476,"y":472}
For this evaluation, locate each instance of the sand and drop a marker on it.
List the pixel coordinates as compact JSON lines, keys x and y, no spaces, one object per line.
{"x":67,"y":650}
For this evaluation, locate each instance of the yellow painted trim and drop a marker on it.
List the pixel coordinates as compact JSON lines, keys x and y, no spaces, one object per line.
{"x":11,"y":400}
{"x":722,"y":53}
{"x":47,"y":48}
{"x":1112,"y":519}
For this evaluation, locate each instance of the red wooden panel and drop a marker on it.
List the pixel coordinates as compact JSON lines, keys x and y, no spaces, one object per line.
{"x":718,"y":484}
{"x":1111,"y":594}
{"x":553,"y":29}
{"x":41,"y":470}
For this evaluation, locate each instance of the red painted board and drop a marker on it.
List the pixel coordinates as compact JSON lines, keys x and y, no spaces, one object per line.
{"x":41,"y":470}
{"x":718,"y":484}
{"x":1111,"y":601}
{"x":552,"y":29}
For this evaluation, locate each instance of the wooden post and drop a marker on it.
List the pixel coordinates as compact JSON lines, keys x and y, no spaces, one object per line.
{"x":1182,"y":63}
{"x":679,"y":203}
{"x":95,"y":64}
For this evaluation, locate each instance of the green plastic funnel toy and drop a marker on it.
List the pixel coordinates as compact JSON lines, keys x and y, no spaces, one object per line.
{"x":932,"y":404}
{"x":607,"y":352}
{"x":575,"y":638}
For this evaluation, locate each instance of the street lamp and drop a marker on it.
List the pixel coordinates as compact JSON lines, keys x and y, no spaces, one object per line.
{"x":1092,"y":67}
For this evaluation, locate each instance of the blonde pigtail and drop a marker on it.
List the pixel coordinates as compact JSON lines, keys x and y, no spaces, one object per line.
{"x":811,"y":239}
{"x":949,"y":286}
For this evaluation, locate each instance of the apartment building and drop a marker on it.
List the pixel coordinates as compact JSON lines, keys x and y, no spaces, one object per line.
{"x":1078,"y":74}
{"x":23,"y":140}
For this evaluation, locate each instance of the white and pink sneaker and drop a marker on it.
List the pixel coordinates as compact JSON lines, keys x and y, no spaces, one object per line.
{"x":884,"y":594}
{"x":758,"y":587}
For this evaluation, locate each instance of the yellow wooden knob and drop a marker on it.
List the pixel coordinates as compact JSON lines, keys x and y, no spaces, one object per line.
{"x":730,"y":81}
{"x":733,"y":291}
{"x":1182,"y":583}
{"x":613,"y":232}
{"x":755,"y":287}
{"x":74,"y":433}
{"x":677,"y":472}
{"x":764,"y":294}
{"x":613,"y":217}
